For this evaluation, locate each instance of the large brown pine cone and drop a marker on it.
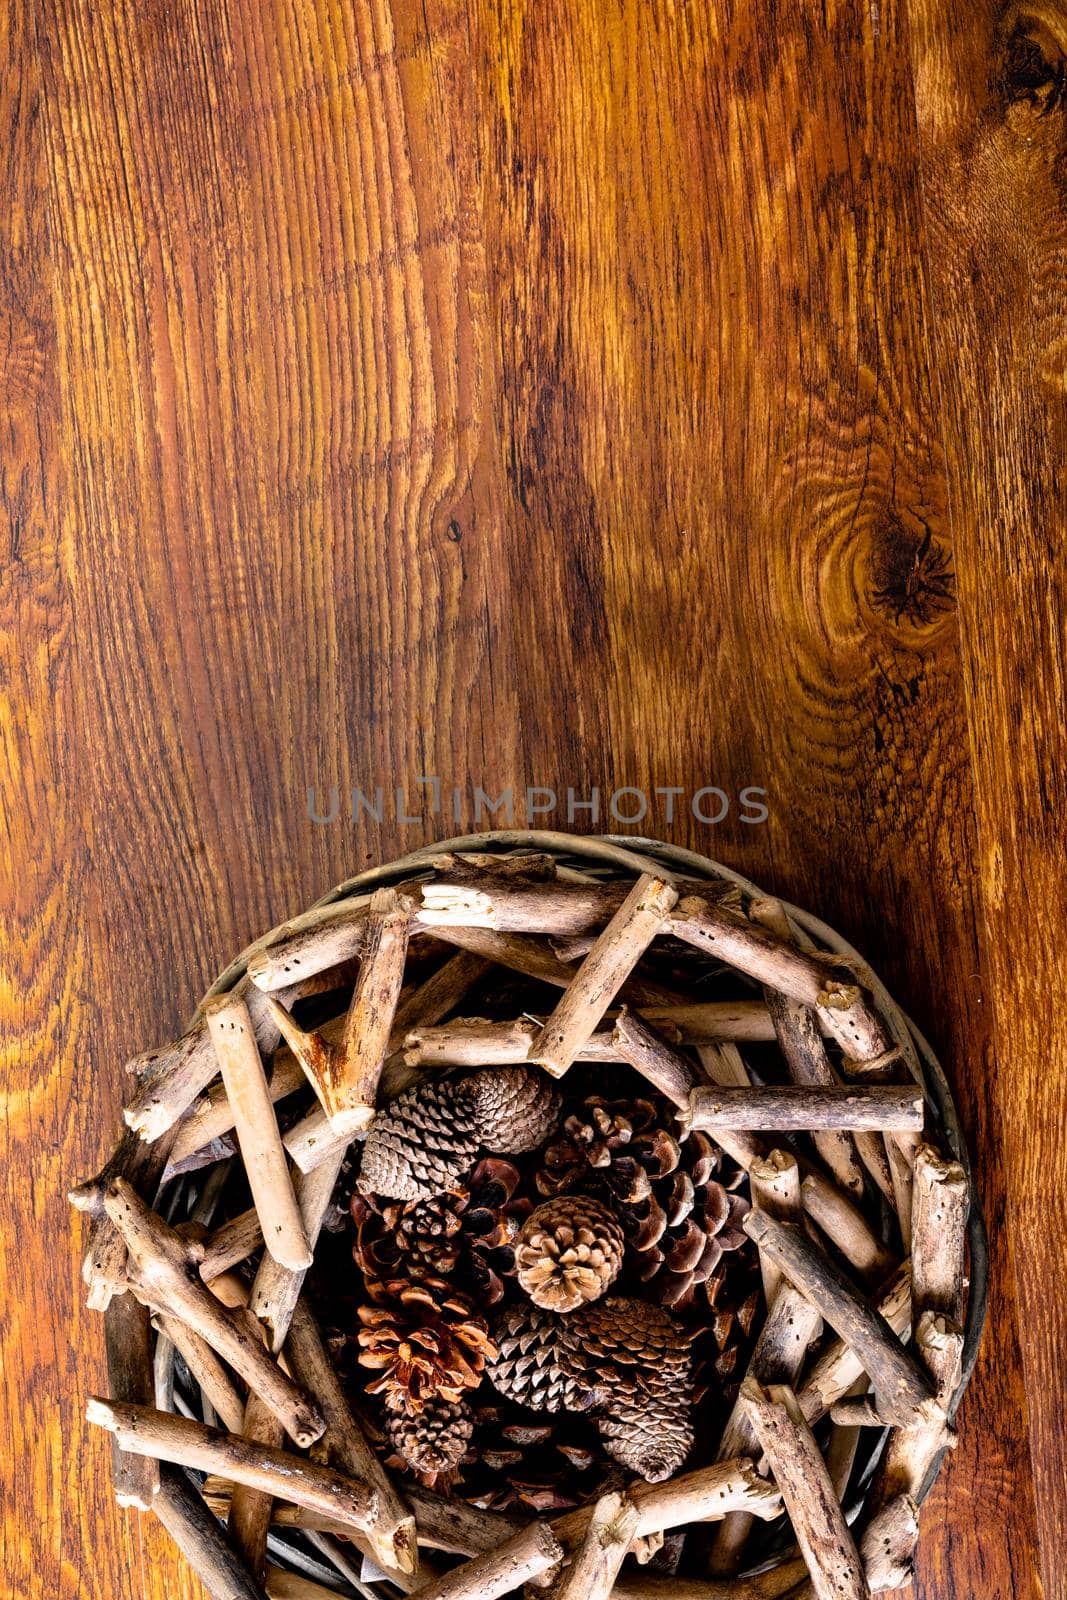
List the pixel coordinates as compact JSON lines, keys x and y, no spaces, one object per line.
{"x":677,"y":1203}
{"x":427,"y":1341}
{"x":537,"y":1364}
{"x":644,"y":1364}
{"x":569,"y":1252}
{"x":422,"y":1144}
{"x":426,"y":1140}
{"x":434,"y":1439}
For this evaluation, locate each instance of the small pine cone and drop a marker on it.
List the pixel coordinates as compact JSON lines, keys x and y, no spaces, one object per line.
{"x":425,"y":1339}
{"x":569,"y":1252}
{"x":422,"y":1145}
{"x":434,"y":1439}
{"x":513,"y":1109}
{"x":537,"y":1365}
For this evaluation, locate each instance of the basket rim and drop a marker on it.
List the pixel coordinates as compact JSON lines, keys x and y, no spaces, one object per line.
{"x":615,"y":854}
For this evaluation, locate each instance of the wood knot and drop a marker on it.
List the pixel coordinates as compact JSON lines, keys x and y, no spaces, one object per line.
{"x":911,"y":573}
{"x":1032,"y":68}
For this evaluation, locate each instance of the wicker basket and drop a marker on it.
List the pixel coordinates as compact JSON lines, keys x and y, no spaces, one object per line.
{"x":320,"y":1559}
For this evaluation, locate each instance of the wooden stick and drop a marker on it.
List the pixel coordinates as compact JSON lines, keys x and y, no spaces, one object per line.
{"x":888,"y":1543}
{"x":201,"y":1541}
{"x":650,"y":1054}
{"x":262,"y":1153}
{"x":849,"y":1015}
{"x":276,"y":1289}
{"x":276,"y":1472}
{"x":832,"y":1211}
{"x":250,"y":1505}
{"x":732,"y":939}
{"x":206,"y":1368}
{"x":617,"y":951}
{"x":597,"y":1560}
{"x":870,"y":1147}
{"x":842,"y":1445}
{"x":814,"y":1510}
{"x":392,"y":1529}
{"x":777,"y":1109}
{"x":533,"y":957}
{"x":526,"y":1555}
{"x":901,"y":1150}
{"x":799,"y":1037}
{"x":169,"y":1080}
{"x":128,"y":1343}
{"x":858,"y":1412}
{"x":778,"y":1582}
{"x":302,"y":953}
{"x":104,"y":1262}
{"x":774,"y":1181}
{"x":911,"y":1453}
{"x":345,"y":1075}
{"x":211,"y":1118}
{"x":230,"y":1244}
{"x":163,"y":1273}
{"x":903,"y":1390}
{"x":705,"y":1495}
{"x":940,"y":1202}
{"x":840,"y":1367}
{"x":559,"y":909}
{"x":453,"y":1526}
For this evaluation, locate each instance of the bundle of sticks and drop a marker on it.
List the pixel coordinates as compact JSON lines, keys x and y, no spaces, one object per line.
{"x":859,"y":1219}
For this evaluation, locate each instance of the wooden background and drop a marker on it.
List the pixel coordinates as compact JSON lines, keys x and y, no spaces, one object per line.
{"x":601,"y":392}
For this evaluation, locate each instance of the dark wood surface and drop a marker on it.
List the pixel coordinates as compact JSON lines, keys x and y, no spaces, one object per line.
{"x":567,"y":396}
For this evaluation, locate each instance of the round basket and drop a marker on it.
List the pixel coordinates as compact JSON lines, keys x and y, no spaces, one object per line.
{"x":891,"y":1456}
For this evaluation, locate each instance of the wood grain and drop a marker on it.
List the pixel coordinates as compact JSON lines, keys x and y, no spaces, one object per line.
{"x":588,"y":396}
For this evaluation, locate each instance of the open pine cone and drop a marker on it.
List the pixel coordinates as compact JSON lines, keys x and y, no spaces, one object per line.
{"x":432,"y":1440}
{"x":569,"y":1252}
{"x":426,"y":1339}
{"x":677,"y":1202}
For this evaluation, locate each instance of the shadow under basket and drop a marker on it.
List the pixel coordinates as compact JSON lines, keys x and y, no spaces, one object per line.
{"x":540,"y":915}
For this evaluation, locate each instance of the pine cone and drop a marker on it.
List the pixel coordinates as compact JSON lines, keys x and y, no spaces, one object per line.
{"x":422,"y":1144}
{"x":471,"y":1231}
{"x":513,"y":1109}
{"x":427,"y":1340}
{"x":543,"y":1464}
{"x":432,"y":1440}
{"x":643,"y":1359}
{"x":537,"y":1363}
{"x":676,"y":1202}
{"x":427,"y":1139}
{"x":569,"y":1252}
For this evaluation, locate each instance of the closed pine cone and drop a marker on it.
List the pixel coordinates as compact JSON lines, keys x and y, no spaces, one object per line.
{"x":426,"y":1141}
{"x":642,"y":1358}
{"x":426,"y":1339}
{"x":569,"y":1252}
{"x":422,"y":1144}
{"x":537,"y":1364}
{"x":433,"y":1440}
{"x":513,"y":1109}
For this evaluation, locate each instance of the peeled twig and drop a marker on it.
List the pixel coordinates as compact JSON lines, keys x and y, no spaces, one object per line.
{"x":840,"y":1366}
{"x":832,"y":1211}
{"x":392,"y":1530}
{"x":903,"y":1390}
{"x":345,"y":1075}
{"x":190,"y":1444}
{"x":597,"y":1560}
{"x":912,"y":1452}
{"x":534,"y":958}
{"x":206,"y":1368}
{"x":649,"y":1053}
{"x":169,"y":1080}
{"x":901,"y":1150}
{"x":201,"y":1541}
{"x":262,"y":1153}
{"x":276,"y":1289}
{"x":230,"y":1244}
{"x":814,"y":1510}
{"x":304,"y":952}
{"x":799,"y":1110}
{"x":701,"y":1496}
{"x":561,"y":910}
{"x":250,"y":1505}
{"x":774,"y":1182}
{"x":858,"y":1412}
{"x":780,"y":1581}
{"x":162,"y":1273}
{"x":888,"y":1543}
{"x":526,"y":1555}
{"x":731,"y":938}
{"x":104,"y":1261}
{"x":617,"y":951}
{"x":799,"y":1037}
{"x":940,"y":1202}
